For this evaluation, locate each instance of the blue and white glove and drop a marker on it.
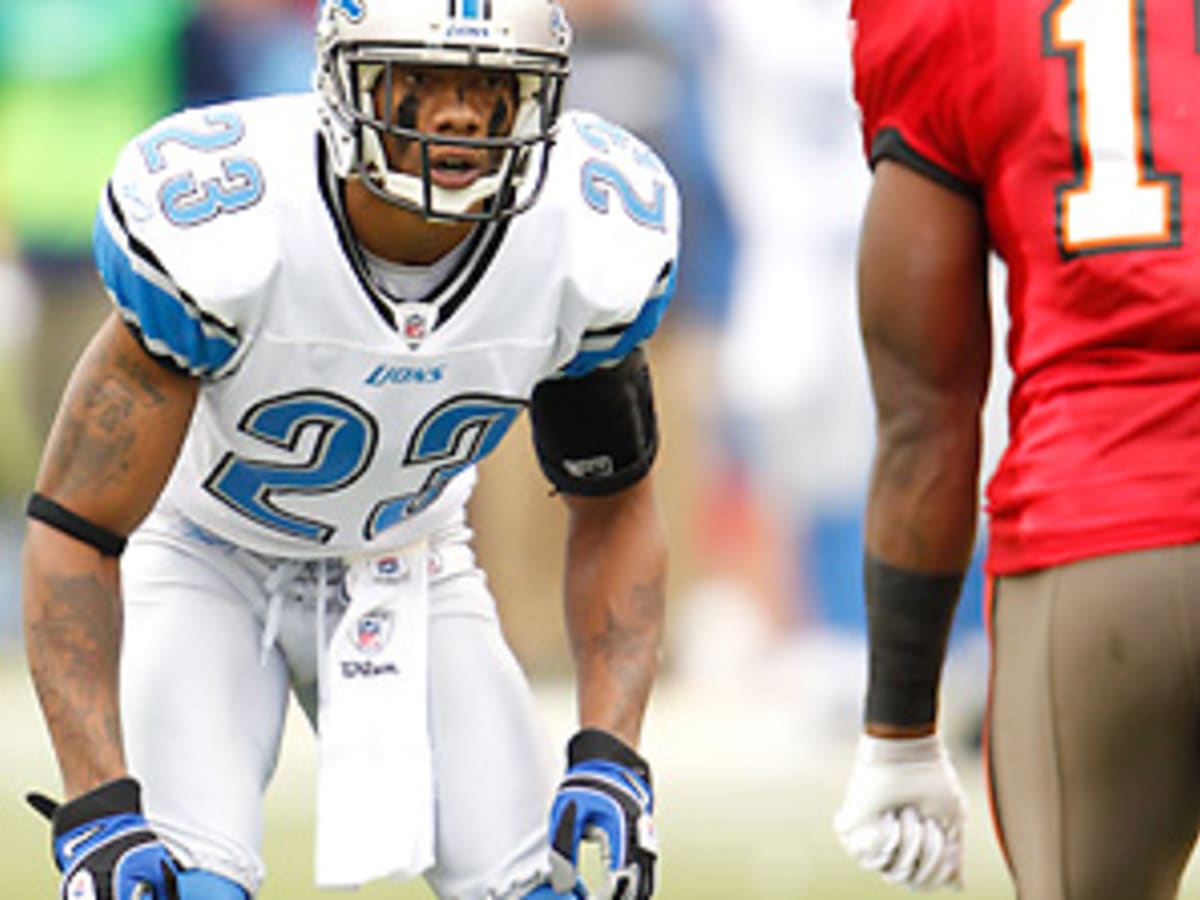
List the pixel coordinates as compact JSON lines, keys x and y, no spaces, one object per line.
{"x":104,"y":847}
{"x":606,"y":796}
{"x":904,"y":813}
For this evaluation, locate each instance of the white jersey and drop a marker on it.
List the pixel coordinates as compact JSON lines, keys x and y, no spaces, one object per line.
{"x":332,"y":418}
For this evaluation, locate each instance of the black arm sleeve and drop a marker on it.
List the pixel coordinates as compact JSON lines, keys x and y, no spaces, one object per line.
{"x":596,"y":434}
{"x":909,"y":617}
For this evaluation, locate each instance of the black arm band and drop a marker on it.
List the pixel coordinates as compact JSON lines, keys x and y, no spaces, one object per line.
{"x":55,"y":515}
{"x":909,"y":615}
{"x":596,"y":434}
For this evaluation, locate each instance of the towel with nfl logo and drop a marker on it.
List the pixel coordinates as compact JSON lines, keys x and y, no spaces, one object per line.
{"x":375,"y":805}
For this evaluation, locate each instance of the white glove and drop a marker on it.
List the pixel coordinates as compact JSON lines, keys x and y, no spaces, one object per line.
{"x":904,"y":812}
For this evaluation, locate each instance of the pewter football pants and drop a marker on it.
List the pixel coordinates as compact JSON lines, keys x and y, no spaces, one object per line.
{"x":203,"y":715}
{"x":1094,"y":725}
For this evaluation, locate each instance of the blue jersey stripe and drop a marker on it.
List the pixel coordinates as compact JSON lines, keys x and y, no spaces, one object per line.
{"x":639,"y":330}
{"x":165,"y":320}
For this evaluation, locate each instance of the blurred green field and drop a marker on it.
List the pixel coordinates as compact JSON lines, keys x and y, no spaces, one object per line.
{"x":747,"y":781}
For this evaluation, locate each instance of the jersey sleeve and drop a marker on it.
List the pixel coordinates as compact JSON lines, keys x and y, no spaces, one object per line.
{"x":181,"y":239}
{"x":913,"y":69}
{"x":623,"y":246}
{"x":606,"y":344}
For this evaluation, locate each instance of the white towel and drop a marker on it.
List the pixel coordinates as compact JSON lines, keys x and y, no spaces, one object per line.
{"x":375,"y":803}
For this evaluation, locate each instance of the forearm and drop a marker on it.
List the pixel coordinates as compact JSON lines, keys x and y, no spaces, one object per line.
{"x":112,"y":447}
{"x":926,"y":327}
{"x":921,"y":519}
{"x":615,"y":574}
{"x":72,"y":622}
{"x":922,"y":505}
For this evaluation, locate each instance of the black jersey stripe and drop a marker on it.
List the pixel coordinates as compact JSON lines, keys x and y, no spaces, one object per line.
{"x":151,"y":260}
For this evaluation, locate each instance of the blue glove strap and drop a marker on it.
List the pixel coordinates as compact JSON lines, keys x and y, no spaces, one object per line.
{"x":596,"y":788}
{"x":77,"y":842}
{"x":622,"y":775}
{"x":141,"y":866}
{"x":593,"y":809}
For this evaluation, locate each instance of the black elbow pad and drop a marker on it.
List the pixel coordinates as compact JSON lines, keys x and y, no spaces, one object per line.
{"x":596,"y":434}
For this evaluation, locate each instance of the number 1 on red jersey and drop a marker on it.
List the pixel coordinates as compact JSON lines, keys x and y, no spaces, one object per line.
{"x":1118,"y":201}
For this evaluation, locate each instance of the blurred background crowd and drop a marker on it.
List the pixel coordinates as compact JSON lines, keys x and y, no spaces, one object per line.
{"x":761,"y":384}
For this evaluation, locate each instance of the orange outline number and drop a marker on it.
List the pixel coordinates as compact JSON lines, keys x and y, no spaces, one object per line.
{"x":1118,"y":201}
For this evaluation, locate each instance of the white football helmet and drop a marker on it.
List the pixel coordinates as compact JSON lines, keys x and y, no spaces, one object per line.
{"x":357,"y":40}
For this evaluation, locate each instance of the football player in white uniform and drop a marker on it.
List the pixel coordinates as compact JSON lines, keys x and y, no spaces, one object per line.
{"x":328,"y":308}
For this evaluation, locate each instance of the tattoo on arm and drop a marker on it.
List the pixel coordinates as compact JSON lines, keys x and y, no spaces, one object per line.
{"x":100,"y":425}
{"x":625,"y":648}
{"x":73,"y":636}
{"x":112,"y":446}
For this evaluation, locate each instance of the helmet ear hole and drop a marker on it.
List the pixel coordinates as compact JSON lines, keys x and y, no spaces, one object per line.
{"x":358,"y":44}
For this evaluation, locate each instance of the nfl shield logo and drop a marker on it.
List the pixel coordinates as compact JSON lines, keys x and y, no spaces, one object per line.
{"x":413,"y":322}
{"x":389,"y":569}
{"x":372,"y":631}
{"x":414,"y":327}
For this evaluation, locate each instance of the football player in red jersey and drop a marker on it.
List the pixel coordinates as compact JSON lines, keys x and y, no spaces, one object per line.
{"x":1062,"y":135}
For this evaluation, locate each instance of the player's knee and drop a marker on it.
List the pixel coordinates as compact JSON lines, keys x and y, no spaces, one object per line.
{"x":196,"y":884}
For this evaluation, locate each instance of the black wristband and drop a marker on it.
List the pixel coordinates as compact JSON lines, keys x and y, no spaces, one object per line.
{"x":909,"y":616}
{"x":593,"y":743}
{"x":123,"y":795}
{"x":57,"y":516}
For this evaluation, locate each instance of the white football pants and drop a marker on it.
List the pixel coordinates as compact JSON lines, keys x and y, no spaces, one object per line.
{"x":203,"y":712}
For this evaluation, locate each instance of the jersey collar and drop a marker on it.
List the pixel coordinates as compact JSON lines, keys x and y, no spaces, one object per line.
{"x":447,"y":296}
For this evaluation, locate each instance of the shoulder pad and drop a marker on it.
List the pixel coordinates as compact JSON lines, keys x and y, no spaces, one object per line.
{"x":187,"y":230}
{"x":195,"y":190}
{"x":620,"y":210}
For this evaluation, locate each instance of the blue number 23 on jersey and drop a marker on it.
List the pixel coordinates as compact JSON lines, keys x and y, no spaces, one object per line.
{"x":449,"y":439}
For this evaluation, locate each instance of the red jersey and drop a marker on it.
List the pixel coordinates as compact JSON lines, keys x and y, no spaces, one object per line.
{"x":1077,"y":125}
